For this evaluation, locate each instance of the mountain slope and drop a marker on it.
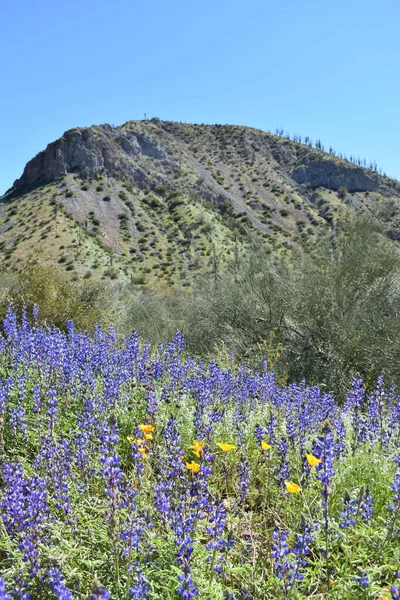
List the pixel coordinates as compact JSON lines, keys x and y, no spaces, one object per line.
{"x":158,"y":202}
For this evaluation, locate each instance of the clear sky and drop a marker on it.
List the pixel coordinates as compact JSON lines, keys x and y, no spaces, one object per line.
{"x":324,"y":68}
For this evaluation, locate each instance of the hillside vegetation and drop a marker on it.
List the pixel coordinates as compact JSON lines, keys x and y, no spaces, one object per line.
{"x":238,"y":238}
{"x":326,"y":316}
{"x":157,"y":203}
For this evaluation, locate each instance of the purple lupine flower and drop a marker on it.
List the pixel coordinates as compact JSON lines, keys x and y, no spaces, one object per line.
{"x":354,"y":405}
{"x":3,"y":591}
{"x":258,"y":433}
{"x":349,"y":512}
{"x":10,"y":326}
{"x":24,"y":512}
{"x":17,"y":419}
{"x":152,"y":403}
{"x":186,"y":588}
{"x":52,"y":407}
{"x":57,"y":584}
{"x":35,"y":313}
{"x":55,"y":460}
{"x":30,"y":554}
{"x":362,"y":581}
{"x":395,"y":504}
{"x":20,"y":588}
{"x":289,"y":562}
{"x":283,"y":566}
{"x":323,"y":448}
{"x":171,"y":495}
{"x":133,"y":527}
{"x":395,"y":589}
{"x":366,"y":506}
{"x":98,"y":592}
{"x":270,"y":430}
{"x":111,"y":472}
{"x":395,"y":592}
{"x":139,"y":589}
{"x":396,"y":485}
{"x":36,"y":398}
{"x":218,"y":544}
{"x":244,"y":477}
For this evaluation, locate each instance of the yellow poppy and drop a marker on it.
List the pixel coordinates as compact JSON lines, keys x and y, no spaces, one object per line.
{"x":225,"y":447}
{"x":148,"y":436}
{"x":193,"y":466}
{"x":135,"y":441}
{"x":142,"y":451}
{"x":197,"y":448}
{"x":313,"y":461}
{"x":146,"y":428}
{"x":292,"y":488}
{"x":265,"y":446}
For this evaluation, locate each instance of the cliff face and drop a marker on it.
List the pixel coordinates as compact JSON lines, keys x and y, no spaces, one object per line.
{"x":90,"y":152}
{"x":333,"y":176}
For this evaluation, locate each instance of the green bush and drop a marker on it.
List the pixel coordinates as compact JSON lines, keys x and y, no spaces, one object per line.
{"x":333,"y":312}
{"x":58,"y":300}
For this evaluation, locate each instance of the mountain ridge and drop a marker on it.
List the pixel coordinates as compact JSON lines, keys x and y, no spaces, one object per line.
{"x":77,"y":150}
{"x":158,"y":202}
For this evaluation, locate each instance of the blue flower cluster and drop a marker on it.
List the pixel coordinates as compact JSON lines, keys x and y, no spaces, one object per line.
{"x":139,"y":457}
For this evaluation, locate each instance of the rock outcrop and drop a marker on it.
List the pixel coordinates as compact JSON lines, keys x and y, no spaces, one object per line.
{"x":334,"y":175}
{"x":90,"y":152}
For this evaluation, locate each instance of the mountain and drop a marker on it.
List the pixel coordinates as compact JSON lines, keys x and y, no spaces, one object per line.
{"x":157,"y":202}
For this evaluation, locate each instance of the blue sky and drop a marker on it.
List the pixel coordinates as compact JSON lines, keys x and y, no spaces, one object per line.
{"x":325,"y":69}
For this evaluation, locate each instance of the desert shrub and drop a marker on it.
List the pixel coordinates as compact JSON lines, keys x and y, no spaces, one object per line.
{"x":139,"y":280}
{"x":152,"y":201}
{"x":334,"y":311}
{"x":175,"y":200}
{"x":88,"y":303}
{"x":111,"y":273}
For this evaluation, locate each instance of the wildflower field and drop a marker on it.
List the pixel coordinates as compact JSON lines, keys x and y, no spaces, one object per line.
{"x":136,"y":472}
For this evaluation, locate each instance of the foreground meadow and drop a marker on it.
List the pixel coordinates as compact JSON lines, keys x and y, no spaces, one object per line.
{"x":137,"y":472}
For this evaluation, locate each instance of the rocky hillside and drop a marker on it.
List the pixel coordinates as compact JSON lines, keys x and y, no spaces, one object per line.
{"x":157,"y":202}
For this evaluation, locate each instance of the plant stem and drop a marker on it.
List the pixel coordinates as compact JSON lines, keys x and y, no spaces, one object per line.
{"x":212,"y":566}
